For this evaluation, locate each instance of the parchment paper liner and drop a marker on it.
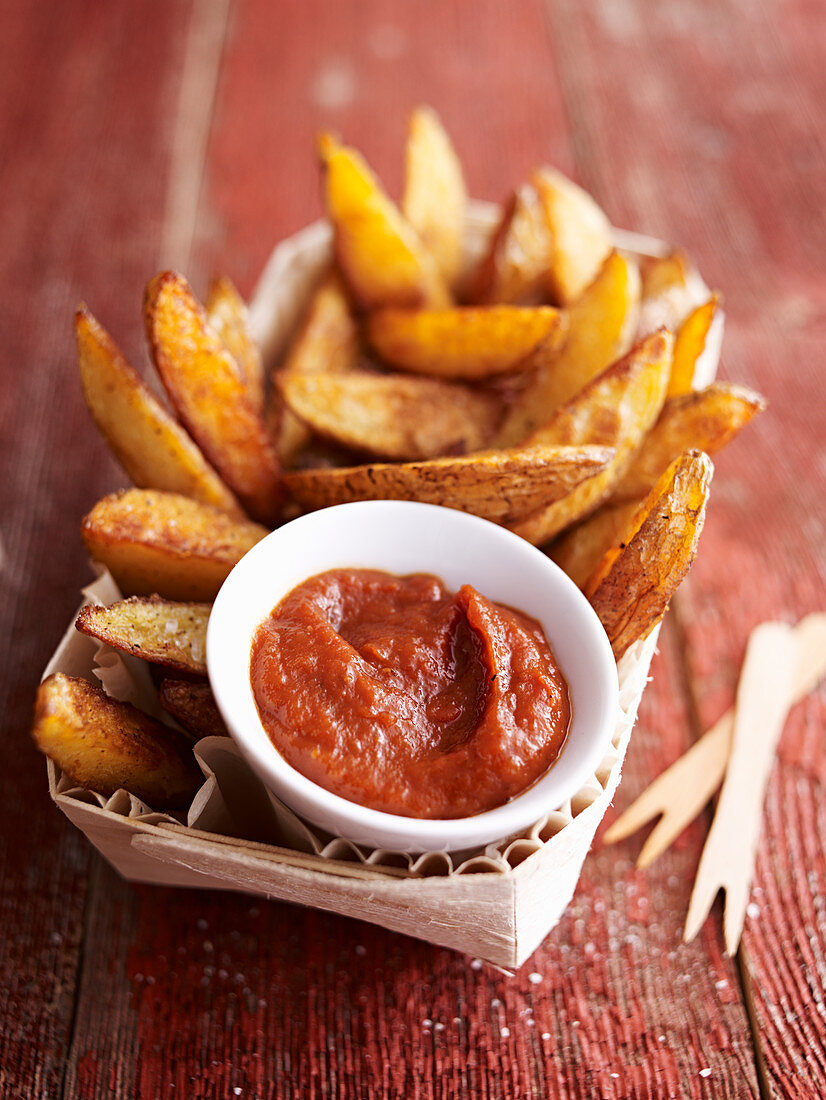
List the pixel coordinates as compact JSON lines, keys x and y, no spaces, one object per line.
{"x":498,"y":902}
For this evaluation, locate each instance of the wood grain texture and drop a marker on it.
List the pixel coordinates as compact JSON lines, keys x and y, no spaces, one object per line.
{"x":749,"y":220}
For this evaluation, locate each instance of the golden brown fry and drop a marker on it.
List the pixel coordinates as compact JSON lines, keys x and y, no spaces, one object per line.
{"x":579,"y":551}
{"x":106,"y":746}
{"x":227,"y":313}
{"x":671,"y":288}
{"x":580,"y":232}
{"x":689,"y":345}
{"x":464,"y":343}
{"x":380,"y":255}
{"x":204,"y":385}
{"x":327,"y":340}
{"x":161,"y":631}
{"x":600,"y":328}
{"x":435,"y":197}
{"x":632,"y":586}
{"x":615,"y":410}
{"x":497,"y":485}
{"x":193,"y":706}
{"x":705,"y":420}
{"x":155,"y":452}
{"x":393,"y":416}
{"x":518,"y":259}
{"x":161,"y":542}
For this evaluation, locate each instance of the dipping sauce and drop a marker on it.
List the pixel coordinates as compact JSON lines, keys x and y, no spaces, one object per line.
{"x":397,"y":694}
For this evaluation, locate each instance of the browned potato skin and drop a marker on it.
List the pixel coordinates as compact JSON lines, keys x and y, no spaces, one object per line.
{"x":153,"y":449}
{"x":227,"y":313}
{"x":516,"y":265}
{"x":464,"y":343}
{"x":193,"y":706}
{"x":580,"y":550}
{"x":205,"y":386}
{"x":154,"y":542}
{"x":393,"y":416}
{"x":104,"y":745}
{"x":496,"y":485}
{"x":380,"y":255}
{"x":140,"y":626}
{"x":615,"y":410}
{"x":705,"y":420}
{"x":631,"y":587}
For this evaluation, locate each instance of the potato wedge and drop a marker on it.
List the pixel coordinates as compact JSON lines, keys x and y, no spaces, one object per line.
{"x":193,"y":706}
{"x":615,"y":410}
{"x":497,"y":485}
{"x":161,"y":631}
{"x":515,"y":266}
{"x":204,"y":385}
{"x":393,"y":416}
{"x":580,"y":232}
{"x":227,"y":314}
{"x":600,"y":329}
{"x":153,"y":449}
{"x":705,"y":420}
{"x":105,"y":745}
{"x":327,"y":340}
{"x":379,"y":253}
{"x":464,"y":343}
{"x":162,"y":542}
{"x":688,"y":346}
{"x":435,"y":196}
{"x":633,"y":584}
{"x":580,"y":550}
{"x":671,"y":289}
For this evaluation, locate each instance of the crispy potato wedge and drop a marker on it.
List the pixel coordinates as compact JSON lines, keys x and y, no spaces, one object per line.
{"x":600,"y":328}
{"x":464,"y":342}
{"x":393,"y":416}
{"x":705,"y":420}
{"x":153,"y":449}
{"x":204,"y":385}
{"x":633,"y":584}
{"x":379,"y":253}
{"x":327,"y":340}
{"x":671,"y":289}
{"x":688,"y":346}
{"x":161,"y":631}
{"x":616,"y":410}
{"x":105,"y":745}
{"x":435,"y":196}
{"x":580,"y":550}
{"x":516,"y":264}
{"x":227,"y":314}
{"x":580,"y":231}
{"x":497,"y":485}
{"x":165,"y":543}
{"x":193,"y":706}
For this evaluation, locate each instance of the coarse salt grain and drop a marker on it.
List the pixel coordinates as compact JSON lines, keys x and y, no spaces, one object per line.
{"x":505,"y":1032}
{"x":476,"y":964}
{"x":534,"y":978}
{"x":705,"y":1072}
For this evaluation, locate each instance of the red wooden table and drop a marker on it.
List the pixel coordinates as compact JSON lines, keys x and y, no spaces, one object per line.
{"x":136,"y":135}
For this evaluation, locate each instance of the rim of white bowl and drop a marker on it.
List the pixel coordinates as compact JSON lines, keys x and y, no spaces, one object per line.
{"x":250,"y":592}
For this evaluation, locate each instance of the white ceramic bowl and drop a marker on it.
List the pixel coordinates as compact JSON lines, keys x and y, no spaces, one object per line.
{"x":403,"y":538}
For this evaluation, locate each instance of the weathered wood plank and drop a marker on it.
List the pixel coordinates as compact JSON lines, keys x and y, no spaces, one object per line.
{"x":83,"y":90}
{"x":707,"y":91}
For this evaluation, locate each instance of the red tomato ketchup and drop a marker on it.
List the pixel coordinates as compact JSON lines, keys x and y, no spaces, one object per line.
{"x":397,"y":694}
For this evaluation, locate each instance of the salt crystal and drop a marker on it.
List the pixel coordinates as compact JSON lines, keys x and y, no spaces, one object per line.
{"x":534,"y":978}
{"x":753,"y":910}
{"x":505,"y":1032}
{"x":439,"y":1026}
{"x":476,"y":964}
{"x":495,"y":1003}
{"x":427,"y":1023}
{"x":615,"y":1075}
{"x":546,"y":1034}
{"x":721,"y":984}
{"x":237,"y":1090}
{"x":705,"y":1072}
